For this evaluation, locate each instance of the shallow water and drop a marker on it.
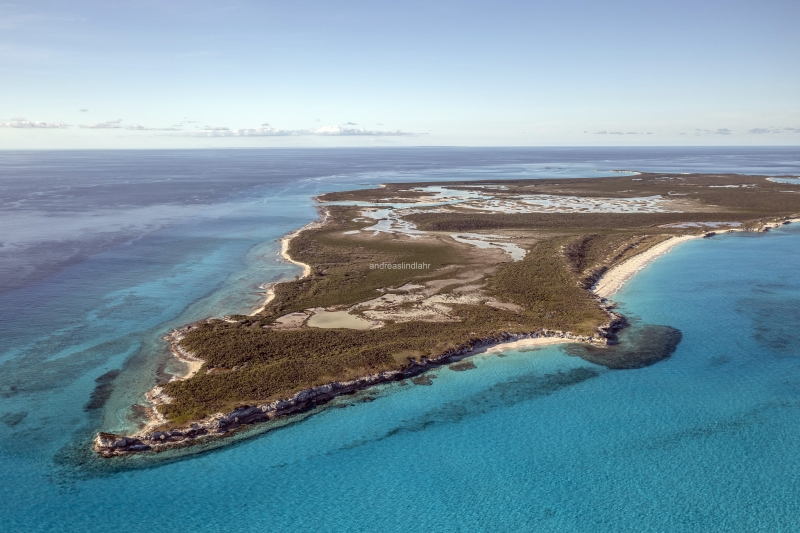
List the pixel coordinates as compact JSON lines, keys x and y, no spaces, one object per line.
{"x":535,"y":440}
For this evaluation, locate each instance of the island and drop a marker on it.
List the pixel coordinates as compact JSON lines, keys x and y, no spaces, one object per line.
{"x":404,"y":278}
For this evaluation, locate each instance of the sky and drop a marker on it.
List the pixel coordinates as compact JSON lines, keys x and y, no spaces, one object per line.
{"x":262,"y":73}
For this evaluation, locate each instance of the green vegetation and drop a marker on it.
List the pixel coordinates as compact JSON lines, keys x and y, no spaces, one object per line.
{"x":247,"y":360}
{"x":266,"y":365}
{"x":543,"y":285}
{"x":251,"y":363}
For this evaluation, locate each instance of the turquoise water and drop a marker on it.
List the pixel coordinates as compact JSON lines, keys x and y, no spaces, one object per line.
{"x":533,"y":441}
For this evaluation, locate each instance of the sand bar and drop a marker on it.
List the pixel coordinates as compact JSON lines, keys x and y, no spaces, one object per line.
{"x":616,"y":277}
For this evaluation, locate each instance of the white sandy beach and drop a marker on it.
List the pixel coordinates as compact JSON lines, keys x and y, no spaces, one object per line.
{"x":616,"y":277}
{"x":287,"y":239}
{"x":527,"y":343}
{"x":285,"y":254}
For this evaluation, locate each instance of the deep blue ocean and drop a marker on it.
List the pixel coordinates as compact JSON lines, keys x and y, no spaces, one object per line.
{"x":101,"y":253}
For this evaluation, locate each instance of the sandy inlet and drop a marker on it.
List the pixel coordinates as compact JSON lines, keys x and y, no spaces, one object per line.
{"x":616,"y":277}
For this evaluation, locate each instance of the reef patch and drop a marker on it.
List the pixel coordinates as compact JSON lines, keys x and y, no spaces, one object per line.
{"x":102,"y":391}
{"x":639,"y":346}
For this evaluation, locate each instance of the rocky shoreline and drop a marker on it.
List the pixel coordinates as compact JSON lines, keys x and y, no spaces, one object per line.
{"x":221,"y":425}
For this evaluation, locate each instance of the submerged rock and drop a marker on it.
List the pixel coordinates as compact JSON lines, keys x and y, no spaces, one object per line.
{"x":639,"y":347}
{"x":13,"y":419}
{"x":422,"y":380}
{"x":462,"y":366}
{"x":102,"y":391}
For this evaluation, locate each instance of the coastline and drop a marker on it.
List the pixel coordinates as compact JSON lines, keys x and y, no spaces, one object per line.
{"x":527,"y":343}
{"x":220,"y":425}
{"x":286,"y":240}
{"x":184,"y":356}
{"x":613,"y":280}
{"x":156,"y":396}
{"x":284,"y":253}
{"x":270,"y":291}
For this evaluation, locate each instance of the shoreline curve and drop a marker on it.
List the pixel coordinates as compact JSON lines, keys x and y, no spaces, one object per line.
{"x":613,"y":280}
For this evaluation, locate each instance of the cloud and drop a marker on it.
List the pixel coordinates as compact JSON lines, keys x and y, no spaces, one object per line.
{"x":109,"y":125}
{"x":138,"y":127}
{"x":83,"y":110}
{"x":604,"y":132}
{"x":22,"y":123}
{"x":720,"y":131}
{"x":758,"y":131}
{"x":350,"y":124}
{"x":117,"y":125}
{"x":268,"y":131}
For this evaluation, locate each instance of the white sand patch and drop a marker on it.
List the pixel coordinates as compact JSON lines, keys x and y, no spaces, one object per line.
{"x":455,"y":298}
{"x":505,"y":305}
{"x":290,"y":321}
{"x":339,"y":319}
{"x":409,"y":287}
{"x":421,"y":312}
